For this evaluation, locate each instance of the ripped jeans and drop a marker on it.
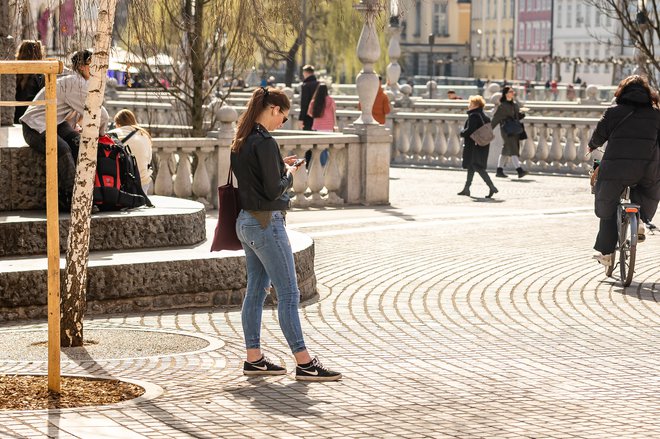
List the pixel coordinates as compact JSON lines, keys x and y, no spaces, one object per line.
{"x":269,"y":259}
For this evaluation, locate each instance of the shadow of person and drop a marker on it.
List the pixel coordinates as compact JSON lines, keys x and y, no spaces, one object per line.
{"x":277,"y":397}
{"x":486,"y":200}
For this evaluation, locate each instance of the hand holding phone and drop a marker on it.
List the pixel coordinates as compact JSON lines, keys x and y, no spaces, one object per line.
{"x":298,"y":162}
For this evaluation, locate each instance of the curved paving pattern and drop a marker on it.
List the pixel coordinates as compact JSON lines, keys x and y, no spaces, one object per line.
{"x":450,"y":317}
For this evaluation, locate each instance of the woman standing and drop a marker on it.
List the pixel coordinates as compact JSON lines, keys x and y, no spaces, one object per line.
{"x":475,"y":157}
{"x":263,"y":181}
{"x":632,"y":158}
{"x":139,"y":140}
{"x":323,"y":109}
{"x":508,"y":110}
{"x":27,"y":86}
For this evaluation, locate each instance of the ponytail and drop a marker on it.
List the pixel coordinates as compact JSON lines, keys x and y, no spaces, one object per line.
{"x":261,"y":99}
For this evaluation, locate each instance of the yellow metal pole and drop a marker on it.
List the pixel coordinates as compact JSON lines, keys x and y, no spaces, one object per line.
{"x":53,"y":236}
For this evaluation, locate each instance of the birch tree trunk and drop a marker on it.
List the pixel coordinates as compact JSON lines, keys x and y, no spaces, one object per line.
{"x":73,"y":299}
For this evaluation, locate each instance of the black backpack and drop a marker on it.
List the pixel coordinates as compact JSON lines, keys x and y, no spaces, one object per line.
{"x":117,"y":182}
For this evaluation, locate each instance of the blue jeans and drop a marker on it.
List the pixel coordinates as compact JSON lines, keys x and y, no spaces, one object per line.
{"x":269,"y":259}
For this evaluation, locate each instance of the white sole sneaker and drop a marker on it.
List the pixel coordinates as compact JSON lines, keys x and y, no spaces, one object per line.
{"x":605,"y":260}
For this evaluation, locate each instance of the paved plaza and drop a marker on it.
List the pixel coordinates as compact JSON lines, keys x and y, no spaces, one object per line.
{"x":449,"y":316}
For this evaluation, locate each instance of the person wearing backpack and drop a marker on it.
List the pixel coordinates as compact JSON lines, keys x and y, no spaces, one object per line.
{"x":139,"y":141}
{"x":475,"y":157}
{"x":71,"y":95}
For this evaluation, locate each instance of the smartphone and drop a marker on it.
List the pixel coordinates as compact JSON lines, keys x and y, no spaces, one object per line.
{"x":298,"y":162}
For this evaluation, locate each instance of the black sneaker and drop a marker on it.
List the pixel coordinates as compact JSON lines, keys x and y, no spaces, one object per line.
{"x":262,"y":367}
{"x":316,"y":372}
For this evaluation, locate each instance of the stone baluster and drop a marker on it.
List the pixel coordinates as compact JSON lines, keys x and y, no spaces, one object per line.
{"x":542,"y":148}
{"x":454,"y":145}
{"x":441,"y":143}
{"x":226,"y":116}
{"x":315,"y":176}
{"x":570,"y":150}
{"x":163,"y":184}
{"x":556,"y":150}
{"x":368,"y":52}
{"x":427,"y":142}
{"x":416,"y":144}
{"x":403,"y":144}
{"x":394,"y":52}
{"x":201,"y":185}
{"x":583,"y":161}
{"x":332,"y":178}
{"x":300,"y":183}
{"x":528,"y":147}
{"x":183,"y":179}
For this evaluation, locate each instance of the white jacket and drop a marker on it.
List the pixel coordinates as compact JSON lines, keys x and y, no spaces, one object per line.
{"x":140,"y":147}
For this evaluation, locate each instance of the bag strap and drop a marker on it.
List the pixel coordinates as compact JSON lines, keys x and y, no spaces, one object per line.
{"x":131,"y":134}
{"x":230,"y":176}
{"x":622,"y":120}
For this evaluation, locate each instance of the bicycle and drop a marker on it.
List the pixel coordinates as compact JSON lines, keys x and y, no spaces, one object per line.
{"x":627,"y":220}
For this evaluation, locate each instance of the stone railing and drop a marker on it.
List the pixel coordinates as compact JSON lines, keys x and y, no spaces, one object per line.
{"x":553,"y":144}
{"x":194,"y":167}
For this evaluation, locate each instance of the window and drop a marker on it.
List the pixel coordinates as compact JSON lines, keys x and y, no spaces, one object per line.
{"x":560,"y":18}
{"x":597,"y":17}
{"x":512,"y":7}
{"x":521,"y":36}
{"x":488,"y":9}
{"x":569,"y":14}
{"x":587,"y":15}
{"x":579,"y":18}
{"x":440,"y":21}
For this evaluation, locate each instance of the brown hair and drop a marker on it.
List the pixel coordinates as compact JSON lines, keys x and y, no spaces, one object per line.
{"x":126,"y":117}
{"x":261,"y":99}
{"x":29,"y":50}
{"x":637,"y":81}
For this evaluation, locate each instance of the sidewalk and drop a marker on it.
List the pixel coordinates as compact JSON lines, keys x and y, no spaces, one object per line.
{"x":449,"y":316}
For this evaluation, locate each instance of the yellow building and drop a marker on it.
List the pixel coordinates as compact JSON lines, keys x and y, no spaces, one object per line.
{"x":435,"y":39}
{"x":492,"y":45}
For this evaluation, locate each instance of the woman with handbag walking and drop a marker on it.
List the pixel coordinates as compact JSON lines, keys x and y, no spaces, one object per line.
{"x":264,"y":179}
{"x":475,"y":155}
{"x":508,"y":116}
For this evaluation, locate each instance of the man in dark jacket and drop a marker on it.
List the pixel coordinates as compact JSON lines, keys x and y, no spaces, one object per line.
{"x":632,"y":158}
{"x":306,"y":92}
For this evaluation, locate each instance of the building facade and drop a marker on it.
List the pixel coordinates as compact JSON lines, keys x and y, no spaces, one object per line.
{"x":435,"y":38}
{"x":492,"y":38}
{"x":534,"y":40}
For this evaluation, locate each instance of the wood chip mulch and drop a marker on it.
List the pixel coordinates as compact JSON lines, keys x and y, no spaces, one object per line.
{"x":28,"y":392}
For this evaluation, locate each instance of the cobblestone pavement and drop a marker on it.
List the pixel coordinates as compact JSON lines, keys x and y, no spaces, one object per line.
{"x":449,"y":317}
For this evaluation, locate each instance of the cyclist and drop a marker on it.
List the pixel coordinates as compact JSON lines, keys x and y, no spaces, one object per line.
{"x":632,"y":158}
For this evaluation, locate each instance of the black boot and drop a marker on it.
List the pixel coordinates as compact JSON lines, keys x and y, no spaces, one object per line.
{"x":465,"y":191}
{"x":500,"y":173}
{"x":493,"y":191}
{"x":521,"y":172}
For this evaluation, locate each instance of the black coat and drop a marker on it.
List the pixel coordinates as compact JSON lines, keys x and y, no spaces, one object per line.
{"x":306,"y":93}
{"x":473,"y":154}
{"x":632,"y":155}
{"x":508,"y":110}
{"x":32,"y":87}
{"x":263,"y":180}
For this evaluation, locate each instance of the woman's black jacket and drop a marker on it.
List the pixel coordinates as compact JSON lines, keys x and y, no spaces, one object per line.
{"x":632,"y":154}
{"x":263,"y":180}
{"x":473,"y":154}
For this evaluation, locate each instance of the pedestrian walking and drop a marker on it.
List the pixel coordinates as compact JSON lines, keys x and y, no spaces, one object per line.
{"x":27,"y":86}
{"x":323,"y":110}
{"x":381,"y":107}
{"x":264,"y":178}
{"x":475,"y":157}
{"x":307,"y":90}
{"x":508,"y":116}
{"x":632,"y":158}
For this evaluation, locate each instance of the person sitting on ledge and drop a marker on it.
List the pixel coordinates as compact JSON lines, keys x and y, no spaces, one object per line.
{"x":71,"y":95}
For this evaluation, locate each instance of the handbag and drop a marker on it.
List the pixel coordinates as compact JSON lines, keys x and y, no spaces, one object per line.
{"x":229,"y":205}
{"x":512,"y":127}
{"x":483,"y":135}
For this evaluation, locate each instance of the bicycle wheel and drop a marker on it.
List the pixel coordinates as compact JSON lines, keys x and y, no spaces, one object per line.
{"x":627,"y":246}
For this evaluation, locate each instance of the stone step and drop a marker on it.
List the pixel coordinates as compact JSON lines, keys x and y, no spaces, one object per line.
{"x":147,"y":279}
{"x":172,"y":222}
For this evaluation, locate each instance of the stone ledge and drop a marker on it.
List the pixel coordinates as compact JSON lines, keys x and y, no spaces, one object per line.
{"x":173,"y":222}
{"x":142,"y":281}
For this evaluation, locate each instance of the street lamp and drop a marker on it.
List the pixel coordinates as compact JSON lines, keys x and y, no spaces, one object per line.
{"x":431,"y":69}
